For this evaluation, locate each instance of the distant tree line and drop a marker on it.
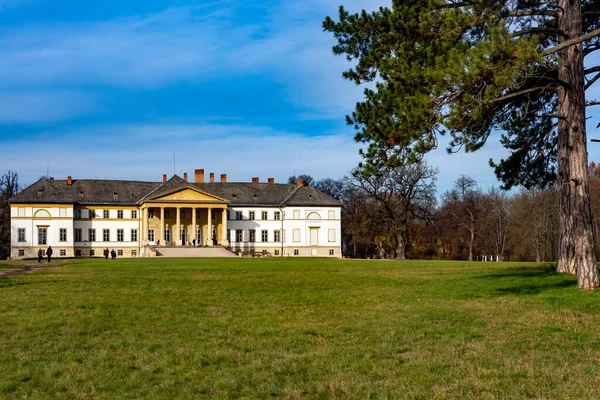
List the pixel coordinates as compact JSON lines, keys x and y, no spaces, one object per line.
{"x":9,"y":186}
{"x":395,"y":213}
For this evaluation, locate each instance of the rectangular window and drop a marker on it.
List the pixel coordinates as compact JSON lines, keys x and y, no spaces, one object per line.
{"x":331,"y":214}
{"x":331,"y":252}
{"x":296,"y":214}
{"x":166,"y":214}
{"x":42,"y":235}
{"x":151,"y":235}
{"x":62,"y":212}
{"x":63,"y":252}
{"x":167,"y":236}
{"x":150,"y":214}
{"x":77,"y":214}
{"x":277,"y":236}
{"x":296,"y":233}
{"x":77,"y":253}
{"x":134,"y":236}
{"x":238,"y":215}
{"x":134,"y":214}
{"x":21,"y":235}
{"x":264,"y":215}
{"x":331,"y":235}
{"x":182,"y":236}
{"x":92,"y":253}
{"x":264,"y":236}
{"x":251,"y":215}
{"x":106,"y":214}
{"x":120,"y":235}
{"x":198,"y":236}
{"x":264,"y":252}
{"x":120,"y":252}
{"x":21,"y":253}
{"x":252,"y":235}
{"x":276,"y":252}
{"x":277,"y":215}
{"x":78,"y":235}
{"x":106,"y":235}
{"x":133,"y":253}
{"x":296,"y":252}
{"x":62,"y":234}
{"x":120,"y":214}
{"x":92,"y":235}
{"x":182,"y":214}
{"x":91,"y":214}
{"x":239,"y":235}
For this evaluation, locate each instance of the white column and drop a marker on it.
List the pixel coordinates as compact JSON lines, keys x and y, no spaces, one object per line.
{"x":209,"y":236}
{"x":178,"y":233}
{"x":224,"y":212}
{"x":161,"y":234}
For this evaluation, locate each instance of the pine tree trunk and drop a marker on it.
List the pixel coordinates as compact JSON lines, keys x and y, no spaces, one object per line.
{"x":576,"y":239}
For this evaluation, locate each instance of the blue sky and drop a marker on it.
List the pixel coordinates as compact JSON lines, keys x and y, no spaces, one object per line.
{"x":110,"y":89}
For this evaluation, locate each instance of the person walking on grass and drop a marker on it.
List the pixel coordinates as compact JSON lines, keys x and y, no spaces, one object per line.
{"x":106,"y":253}
{"x":113,"y":254}
{"x":40,"y":255}
{"x":49,"y":253}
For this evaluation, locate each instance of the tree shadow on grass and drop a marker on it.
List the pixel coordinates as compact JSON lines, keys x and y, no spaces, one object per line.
{"x":526,"y":280}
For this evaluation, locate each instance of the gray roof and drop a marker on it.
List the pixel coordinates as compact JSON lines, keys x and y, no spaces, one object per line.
{"x":95,"y":191}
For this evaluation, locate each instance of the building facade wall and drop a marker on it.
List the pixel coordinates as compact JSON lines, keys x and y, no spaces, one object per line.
{"x":304,"y":231}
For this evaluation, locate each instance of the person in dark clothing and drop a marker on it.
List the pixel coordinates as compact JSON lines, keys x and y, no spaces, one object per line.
{"x":113,"y":254}
{"x":106,"y":253}
{"x":49,"y":253}
{"x":194,"y":242}
{"x":40,"y":255}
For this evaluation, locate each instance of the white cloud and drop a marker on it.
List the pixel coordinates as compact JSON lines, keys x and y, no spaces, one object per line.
{"x":146,"y":152}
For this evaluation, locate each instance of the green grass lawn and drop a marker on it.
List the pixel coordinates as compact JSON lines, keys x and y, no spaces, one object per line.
{"x":297,"y":328}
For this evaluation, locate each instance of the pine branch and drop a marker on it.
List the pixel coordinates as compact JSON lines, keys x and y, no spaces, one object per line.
{"x":555,"y":31}
{"x":571,"y":42}
{"x":529,"y":13}
{"x":522,"y":92}
{"x":592,"y":70}
{"x":592,"y":81}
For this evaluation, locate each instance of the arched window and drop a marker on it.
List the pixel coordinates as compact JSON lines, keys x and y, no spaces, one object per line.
{"x":42,"y":214}
{"x":314,"y":215}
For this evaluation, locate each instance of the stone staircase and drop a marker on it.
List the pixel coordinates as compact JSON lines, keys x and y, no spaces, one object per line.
{"x":188,"y":251}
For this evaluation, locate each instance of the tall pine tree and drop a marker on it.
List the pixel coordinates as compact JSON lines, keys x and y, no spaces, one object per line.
{"x":467,"y":68}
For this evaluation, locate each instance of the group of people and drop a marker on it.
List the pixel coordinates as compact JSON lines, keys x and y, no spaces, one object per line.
{"x":48,"y":253}
{"x":113,"y":254}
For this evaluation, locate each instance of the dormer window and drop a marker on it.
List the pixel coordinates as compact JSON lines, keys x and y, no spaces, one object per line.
{"x":80,"y":195}
{"x":115,"y":196}
{"x":40,"y":194}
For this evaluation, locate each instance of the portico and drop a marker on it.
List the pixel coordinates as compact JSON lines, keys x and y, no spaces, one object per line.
{"x":180,"y":217}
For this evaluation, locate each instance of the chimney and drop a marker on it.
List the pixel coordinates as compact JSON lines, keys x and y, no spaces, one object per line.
{"x":164,"y":178}
{"x":185,"y":176}
{"x":199,"y":175}
{"x":271,"y":180}
{"x":299,"y":182}
{"x":212,"y":177}
{"x":223,"y":178}
{"x":255,"y":180}
{"x":69,"y":180}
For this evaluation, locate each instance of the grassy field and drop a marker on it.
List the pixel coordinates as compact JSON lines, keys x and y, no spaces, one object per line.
{"x":297,"y":328}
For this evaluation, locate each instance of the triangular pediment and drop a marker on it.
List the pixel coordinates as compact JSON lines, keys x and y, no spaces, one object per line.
{"x":187,"y":194}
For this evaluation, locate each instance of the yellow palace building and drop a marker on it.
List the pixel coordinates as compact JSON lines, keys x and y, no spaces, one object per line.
{"x":82,"y":217}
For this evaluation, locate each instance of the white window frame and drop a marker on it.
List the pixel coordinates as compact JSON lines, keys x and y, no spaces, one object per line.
{"x":331,"y":235}
{"x":296,"y":235}
{"x":21,"y":235}
{"x":120,"y":235}
{"x":62,"y":234}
